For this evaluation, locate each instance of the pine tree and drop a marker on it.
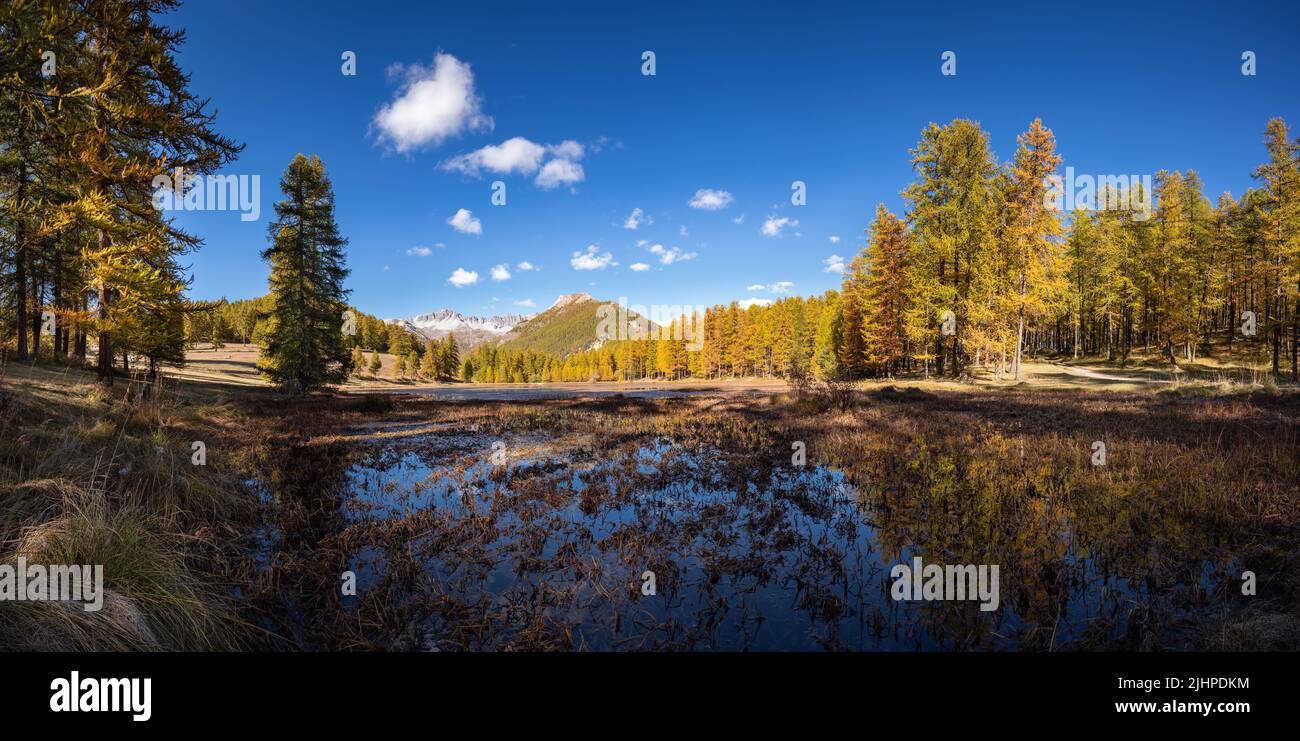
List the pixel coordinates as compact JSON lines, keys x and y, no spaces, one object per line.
{"x":305,"y":348}
{"x":376,"y":364}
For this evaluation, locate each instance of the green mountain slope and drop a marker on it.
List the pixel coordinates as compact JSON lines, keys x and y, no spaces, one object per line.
{"x":567,"y":327}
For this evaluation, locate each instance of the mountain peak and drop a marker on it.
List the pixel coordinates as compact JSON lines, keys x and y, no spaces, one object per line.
{"x":469,"y":330}
{"x":572,"y":298}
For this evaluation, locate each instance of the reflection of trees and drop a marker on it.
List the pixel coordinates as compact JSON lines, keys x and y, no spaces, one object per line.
{"x":298,"y":585}
{"x":547,"y":552}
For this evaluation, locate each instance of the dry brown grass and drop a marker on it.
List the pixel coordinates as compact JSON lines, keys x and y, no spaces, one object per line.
{"x":980,"y":475}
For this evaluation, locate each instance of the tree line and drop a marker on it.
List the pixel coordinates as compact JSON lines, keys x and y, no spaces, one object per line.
{"x":984,"y":269}
{"x":980,"y":270}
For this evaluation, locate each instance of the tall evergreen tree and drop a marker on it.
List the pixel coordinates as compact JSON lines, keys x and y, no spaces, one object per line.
{"x":304,"y":348}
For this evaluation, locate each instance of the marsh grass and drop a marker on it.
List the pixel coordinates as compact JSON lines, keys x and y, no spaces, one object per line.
{"x":542,"y":551}
{"x":88,"y":477}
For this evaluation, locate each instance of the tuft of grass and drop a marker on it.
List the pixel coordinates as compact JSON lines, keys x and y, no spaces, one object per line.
{"x":153,"y":599}
{"x":87,"y":477}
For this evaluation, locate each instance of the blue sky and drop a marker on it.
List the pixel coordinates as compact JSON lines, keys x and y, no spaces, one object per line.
{"x":747,"y":98}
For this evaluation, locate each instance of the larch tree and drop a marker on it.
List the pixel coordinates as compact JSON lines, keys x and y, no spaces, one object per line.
{"x":885,"y":293}
{"x":1033,"y":231}
{"x":122,"y":91}
{"x":1280,"y":226}
{"x":952,"y":213}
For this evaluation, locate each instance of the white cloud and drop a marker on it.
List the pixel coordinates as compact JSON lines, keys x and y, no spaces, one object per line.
{"x":635,"y":219}
{"x":559,"y":172}
{"x":463,"y":221}
{"x":772,"y":226}
{"x":711,"y":200}
{"x":781,"y":286}
{"x":639,"y":267}
{"x":591,"y":259}
{"x":834,"y":264}
{"x":835,"y":239}
{"x":463,"y":277}
{"x":739,"y":219}
{"x":525,"y":266}
{"x":670,"y":255}
{"x":745,"y":304}
{"x":526,"y":302}
{"x":567,"y":150}
{"x":513,"y":155}
{"x":500,"y":272}
{"x":419,"y":251}
{"x":433,"y":105}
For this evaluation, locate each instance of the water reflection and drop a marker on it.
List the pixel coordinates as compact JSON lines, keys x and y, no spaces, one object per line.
{"x":542,"y":541}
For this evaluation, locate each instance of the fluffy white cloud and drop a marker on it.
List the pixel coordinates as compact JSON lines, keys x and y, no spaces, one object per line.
{"x":635,"y":219}
{"x":639,"y":267}
{"x":746,"y":303}
{"x":500,"y":272}
{"x":511,"y":156}
{"x":433,"y":104}
{"x":592,"y":259}
{"x":670,"y":255}
{"x":781,"y":286}
{"x":711,"y":200}
{"x":559,"y":172}
{"x":525,"y":157}
{"x":525,"y":266}
{"x":526,"y":302}
{"x":463,"y":277}
{"x":567,"y":150}
{"x":464,"y":222}
{"x":835,"y":239}
{"x":419,"y":251}
{"x":834,"y":264}
{"x":772,"y":226}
